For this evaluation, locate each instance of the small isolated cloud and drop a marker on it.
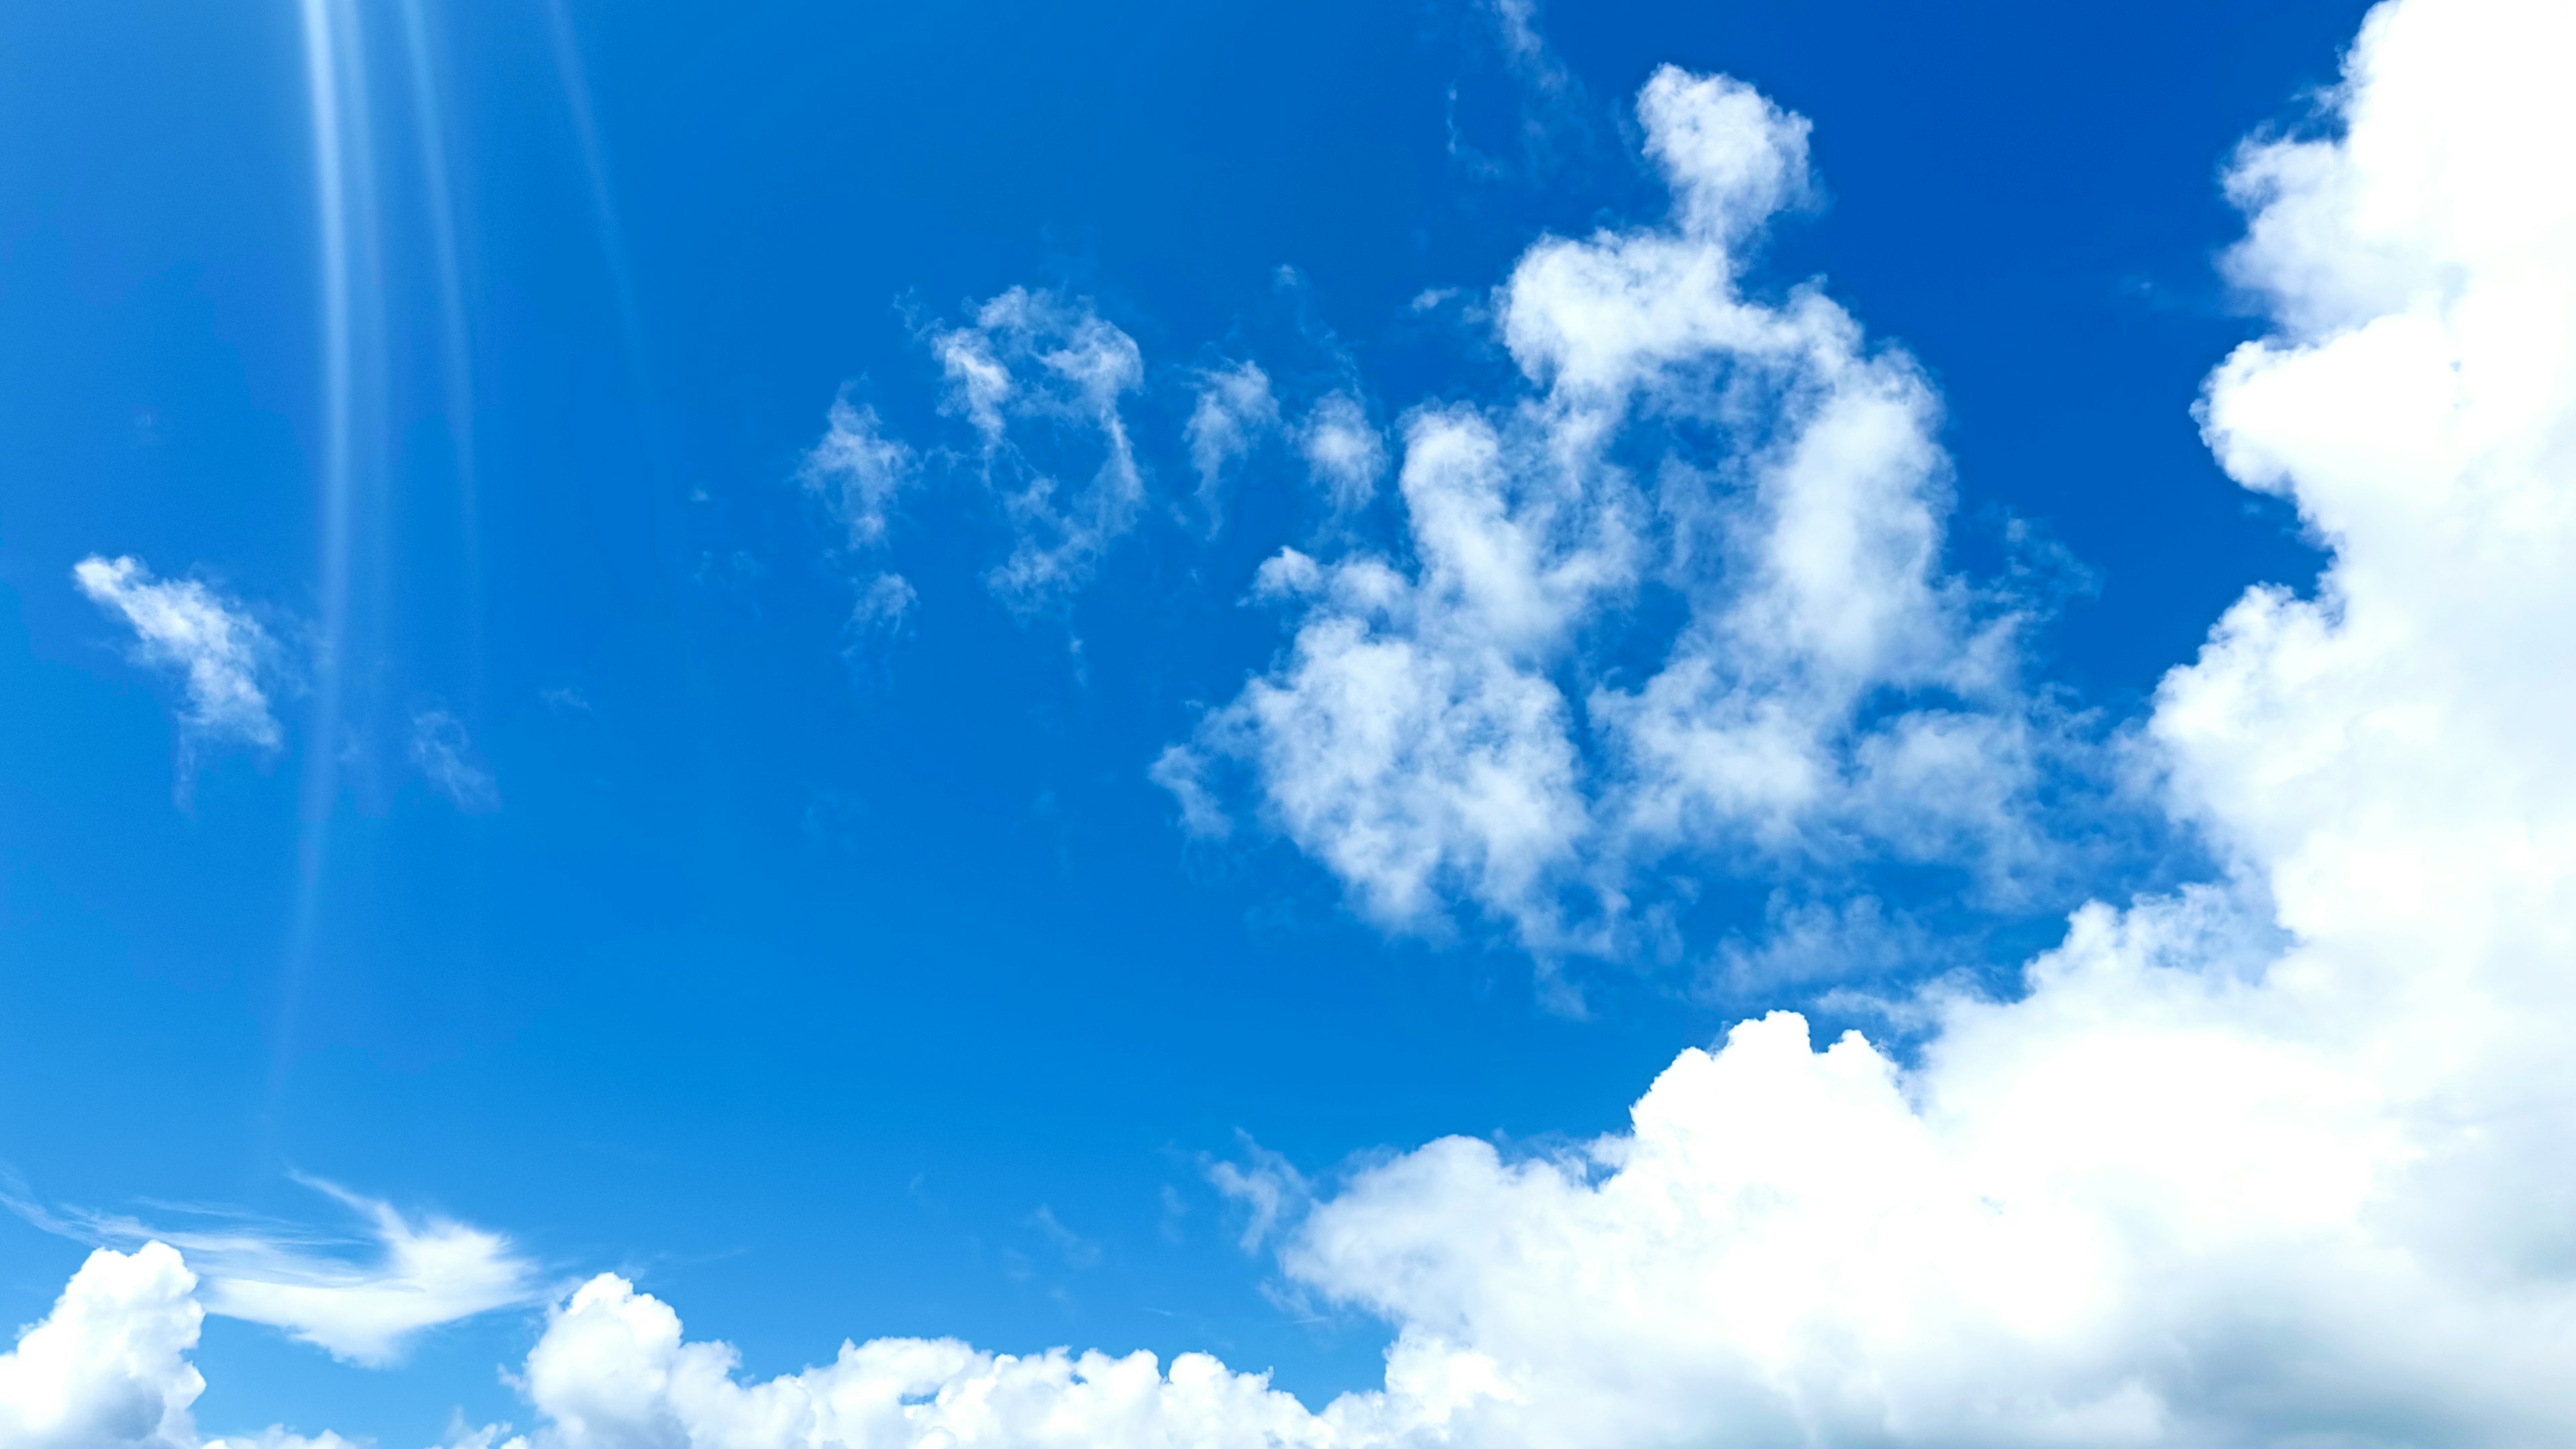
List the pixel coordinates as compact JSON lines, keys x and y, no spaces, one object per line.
{"x":1076,"y":1250}
{"x":1041,"y":379}
{"x":1344,"y":451}
{"x":858,"y":472}
{"x":444,"y":754}
{"x":1269,"y":1189}
{"x":219,"y":651}
{"x":1234,"y":411}
{"x":883,"y":603}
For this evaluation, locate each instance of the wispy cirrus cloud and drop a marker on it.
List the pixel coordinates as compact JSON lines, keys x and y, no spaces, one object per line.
{"x":1041,"y":378}
{"x":443,"y":752}
{"x":363,"y":1297}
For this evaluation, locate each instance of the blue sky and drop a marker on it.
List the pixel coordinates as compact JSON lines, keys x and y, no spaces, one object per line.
{"x":666,"y":846}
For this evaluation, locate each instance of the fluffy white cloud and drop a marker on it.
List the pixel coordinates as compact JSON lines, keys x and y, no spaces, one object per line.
{"x":181,"y":624}
{"x":1343,"y":450}
{"x":1832,"y":686}
{"x":2282,"y":1159}
{"x":2279,"y":1161}
{"x":1041,"y":377}
{"x":1234,"y":411}
{"x":108,"y":1367}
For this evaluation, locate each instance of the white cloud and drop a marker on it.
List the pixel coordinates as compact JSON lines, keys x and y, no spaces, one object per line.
{"x":1343,"y":450}
{"x":1833,"y":688}
{"x":1234,"y":411}
{"x":2277,"y":1160}
{"x":1040,"y":378}
{"x":444,"y":754}
{"x":423,"y":1273}
{"x":181,"y":624}
{"x":858,"y":472}
{"x":108,"y":1367}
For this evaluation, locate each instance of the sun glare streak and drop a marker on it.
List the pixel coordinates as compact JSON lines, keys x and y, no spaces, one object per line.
{"x":349,"y":284}
{"x":603,"y":203}
{"x":455,"y":351}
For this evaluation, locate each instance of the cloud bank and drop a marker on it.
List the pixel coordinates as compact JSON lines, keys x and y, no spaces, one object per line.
{"x":2282,"y":1158}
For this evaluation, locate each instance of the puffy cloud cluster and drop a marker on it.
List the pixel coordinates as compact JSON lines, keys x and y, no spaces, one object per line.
{"x":219,"y":650}
{"x":1447,"y":721}
{"x":2278,"y":1159}
{"x":1342,"y":449}
{"x":2285,"y":1158}
{"x":857,"y":472}
{"x":108,"y":1367}
{"x":1234,"y":409}
{"x":1040,"y":377}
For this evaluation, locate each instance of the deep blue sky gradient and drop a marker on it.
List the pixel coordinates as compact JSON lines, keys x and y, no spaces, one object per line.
{"x":796,"y":980}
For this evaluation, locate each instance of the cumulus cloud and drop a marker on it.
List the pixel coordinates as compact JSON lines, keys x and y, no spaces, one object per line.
{"x":1233,"y":412}
{"x":1041,"y":378}
{"x":108,"y":1367}
{"x":444,"y":754}
{"x":2275,"y":1159}
{"x":1343,"y":450}
{"x":1430,"y":735}
{"x":212,"y":642}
